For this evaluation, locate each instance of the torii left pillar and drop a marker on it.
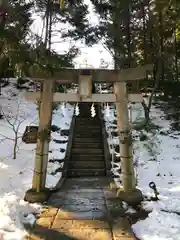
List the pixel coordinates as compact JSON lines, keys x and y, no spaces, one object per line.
{"x":38,"y":192}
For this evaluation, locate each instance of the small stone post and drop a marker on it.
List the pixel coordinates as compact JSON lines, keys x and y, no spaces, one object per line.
{"x":85,"y":85}
{"x":39,"y":193}
{"x":129,"y":193}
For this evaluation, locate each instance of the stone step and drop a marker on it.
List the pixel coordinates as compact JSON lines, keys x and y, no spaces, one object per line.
{"x":89,"y":120}
{"x":87,"y":154}
{"x":88,"y":124}
{"x":86,"y":164}
{"x":87,"y":127}
{"x":86,"y":139}
{"x":88,"y":145}
{"x":84,"y":158}
{"x":86,"y":172}
{"x":84,"y":151}
{"x":88,"y":135}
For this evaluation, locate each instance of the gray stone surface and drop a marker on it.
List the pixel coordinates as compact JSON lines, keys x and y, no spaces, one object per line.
{"x":84,"y":209}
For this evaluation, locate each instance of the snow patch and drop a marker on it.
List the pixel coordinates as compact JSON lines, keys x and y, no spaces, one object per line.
{"x":16,"y":174}
{"x":157,"y":159}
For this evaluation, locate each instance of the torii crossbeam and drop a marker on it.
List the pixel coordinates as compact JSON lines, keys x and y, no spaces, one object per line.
{"x":70,"y":75}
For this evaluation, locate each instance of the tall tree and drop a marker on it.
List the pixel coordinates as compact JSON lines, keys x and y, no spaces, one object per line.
{"x":15,"y":23}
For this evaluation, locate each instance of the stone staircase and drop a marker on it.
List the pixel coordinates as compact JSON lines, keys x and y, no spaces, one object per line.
{"x":87,"y":154}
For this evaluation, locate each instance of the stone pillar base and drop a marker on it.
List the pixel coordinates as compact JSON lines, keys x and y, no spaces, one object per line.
{"x":132,"y":198}
{"x":32,"y":196}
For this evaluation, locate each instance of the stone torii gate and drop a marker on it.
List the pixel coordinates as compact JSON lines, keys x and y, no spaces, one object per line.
{"x":85,"y":78}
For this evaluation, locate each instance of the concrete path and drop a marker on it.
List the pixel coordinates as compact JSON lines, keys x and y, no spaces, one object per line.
{"x":84,"y":209}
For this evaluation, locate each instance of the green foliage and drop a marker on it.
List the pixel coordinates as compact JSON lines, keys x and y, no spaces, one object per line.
{"x":14,"y":25}
{"x":16,"y":50}
{"x":136,"y":32}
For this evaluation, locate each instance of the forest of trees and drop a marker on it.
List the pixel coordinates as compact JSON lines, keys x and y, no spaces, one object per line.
{"x":20,"y":48}
{"x":135,"y":32}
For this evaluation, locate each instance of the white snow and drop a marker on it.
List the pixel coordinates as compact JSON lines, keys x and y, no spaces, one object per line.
{"x":156,"y":159}
{"x":158,"y":226}
{"x":16,"y":174}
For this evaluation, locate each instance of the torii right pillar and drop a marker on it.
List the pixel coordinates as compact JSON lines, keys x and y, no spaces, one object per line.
{"x":129,"y":193}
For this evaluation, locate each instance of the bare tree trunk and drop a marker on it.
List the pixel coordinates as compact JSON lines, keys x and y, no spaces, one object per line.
{"x":161,"y":45}
{"x":128,"y":35}
{"x":15,"y":145}
{"x":176,"y":57}
{"x":158,"y":71}
{"x":50,"y":27}
{"x":147,"y":107}
{"x":158,"y":62}
{"x":47,"y":23}
{"x":116,"y":38}
{"x":144,"y":32}
{"x":153,"y":47}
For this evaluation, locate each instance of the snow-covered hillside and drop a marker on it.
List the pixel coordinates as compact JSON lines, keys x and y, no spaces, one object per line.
{"x":16,"y":174}
{"x":156,"y":158}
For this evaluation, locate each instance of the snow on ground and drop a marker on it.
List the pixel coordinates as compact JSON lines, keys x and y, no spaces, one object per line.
{"x":16,"y":174}
{"x":62,"y":118}
{"x":156,"y":159}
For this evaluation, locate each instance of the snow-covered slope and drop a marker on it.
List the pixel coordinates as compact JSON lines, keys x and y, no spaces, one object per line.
{"x":156,"y":158}
{"x":16,"y":174}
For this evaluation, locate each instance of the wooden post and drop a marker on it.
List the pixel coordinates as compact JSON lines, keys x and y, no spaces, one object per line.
{"x":126,"y":155}
{"x":44,"y":131}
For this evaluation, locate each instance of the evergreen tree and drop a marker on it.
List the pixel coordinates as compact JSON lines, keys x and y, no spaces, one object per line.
{"x":136,"y":32}
{"x":18,"y":53}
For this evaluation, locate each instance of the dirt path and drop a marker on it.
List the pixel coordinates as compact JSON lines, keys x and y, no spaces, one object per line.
{"x":84,"y":209}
